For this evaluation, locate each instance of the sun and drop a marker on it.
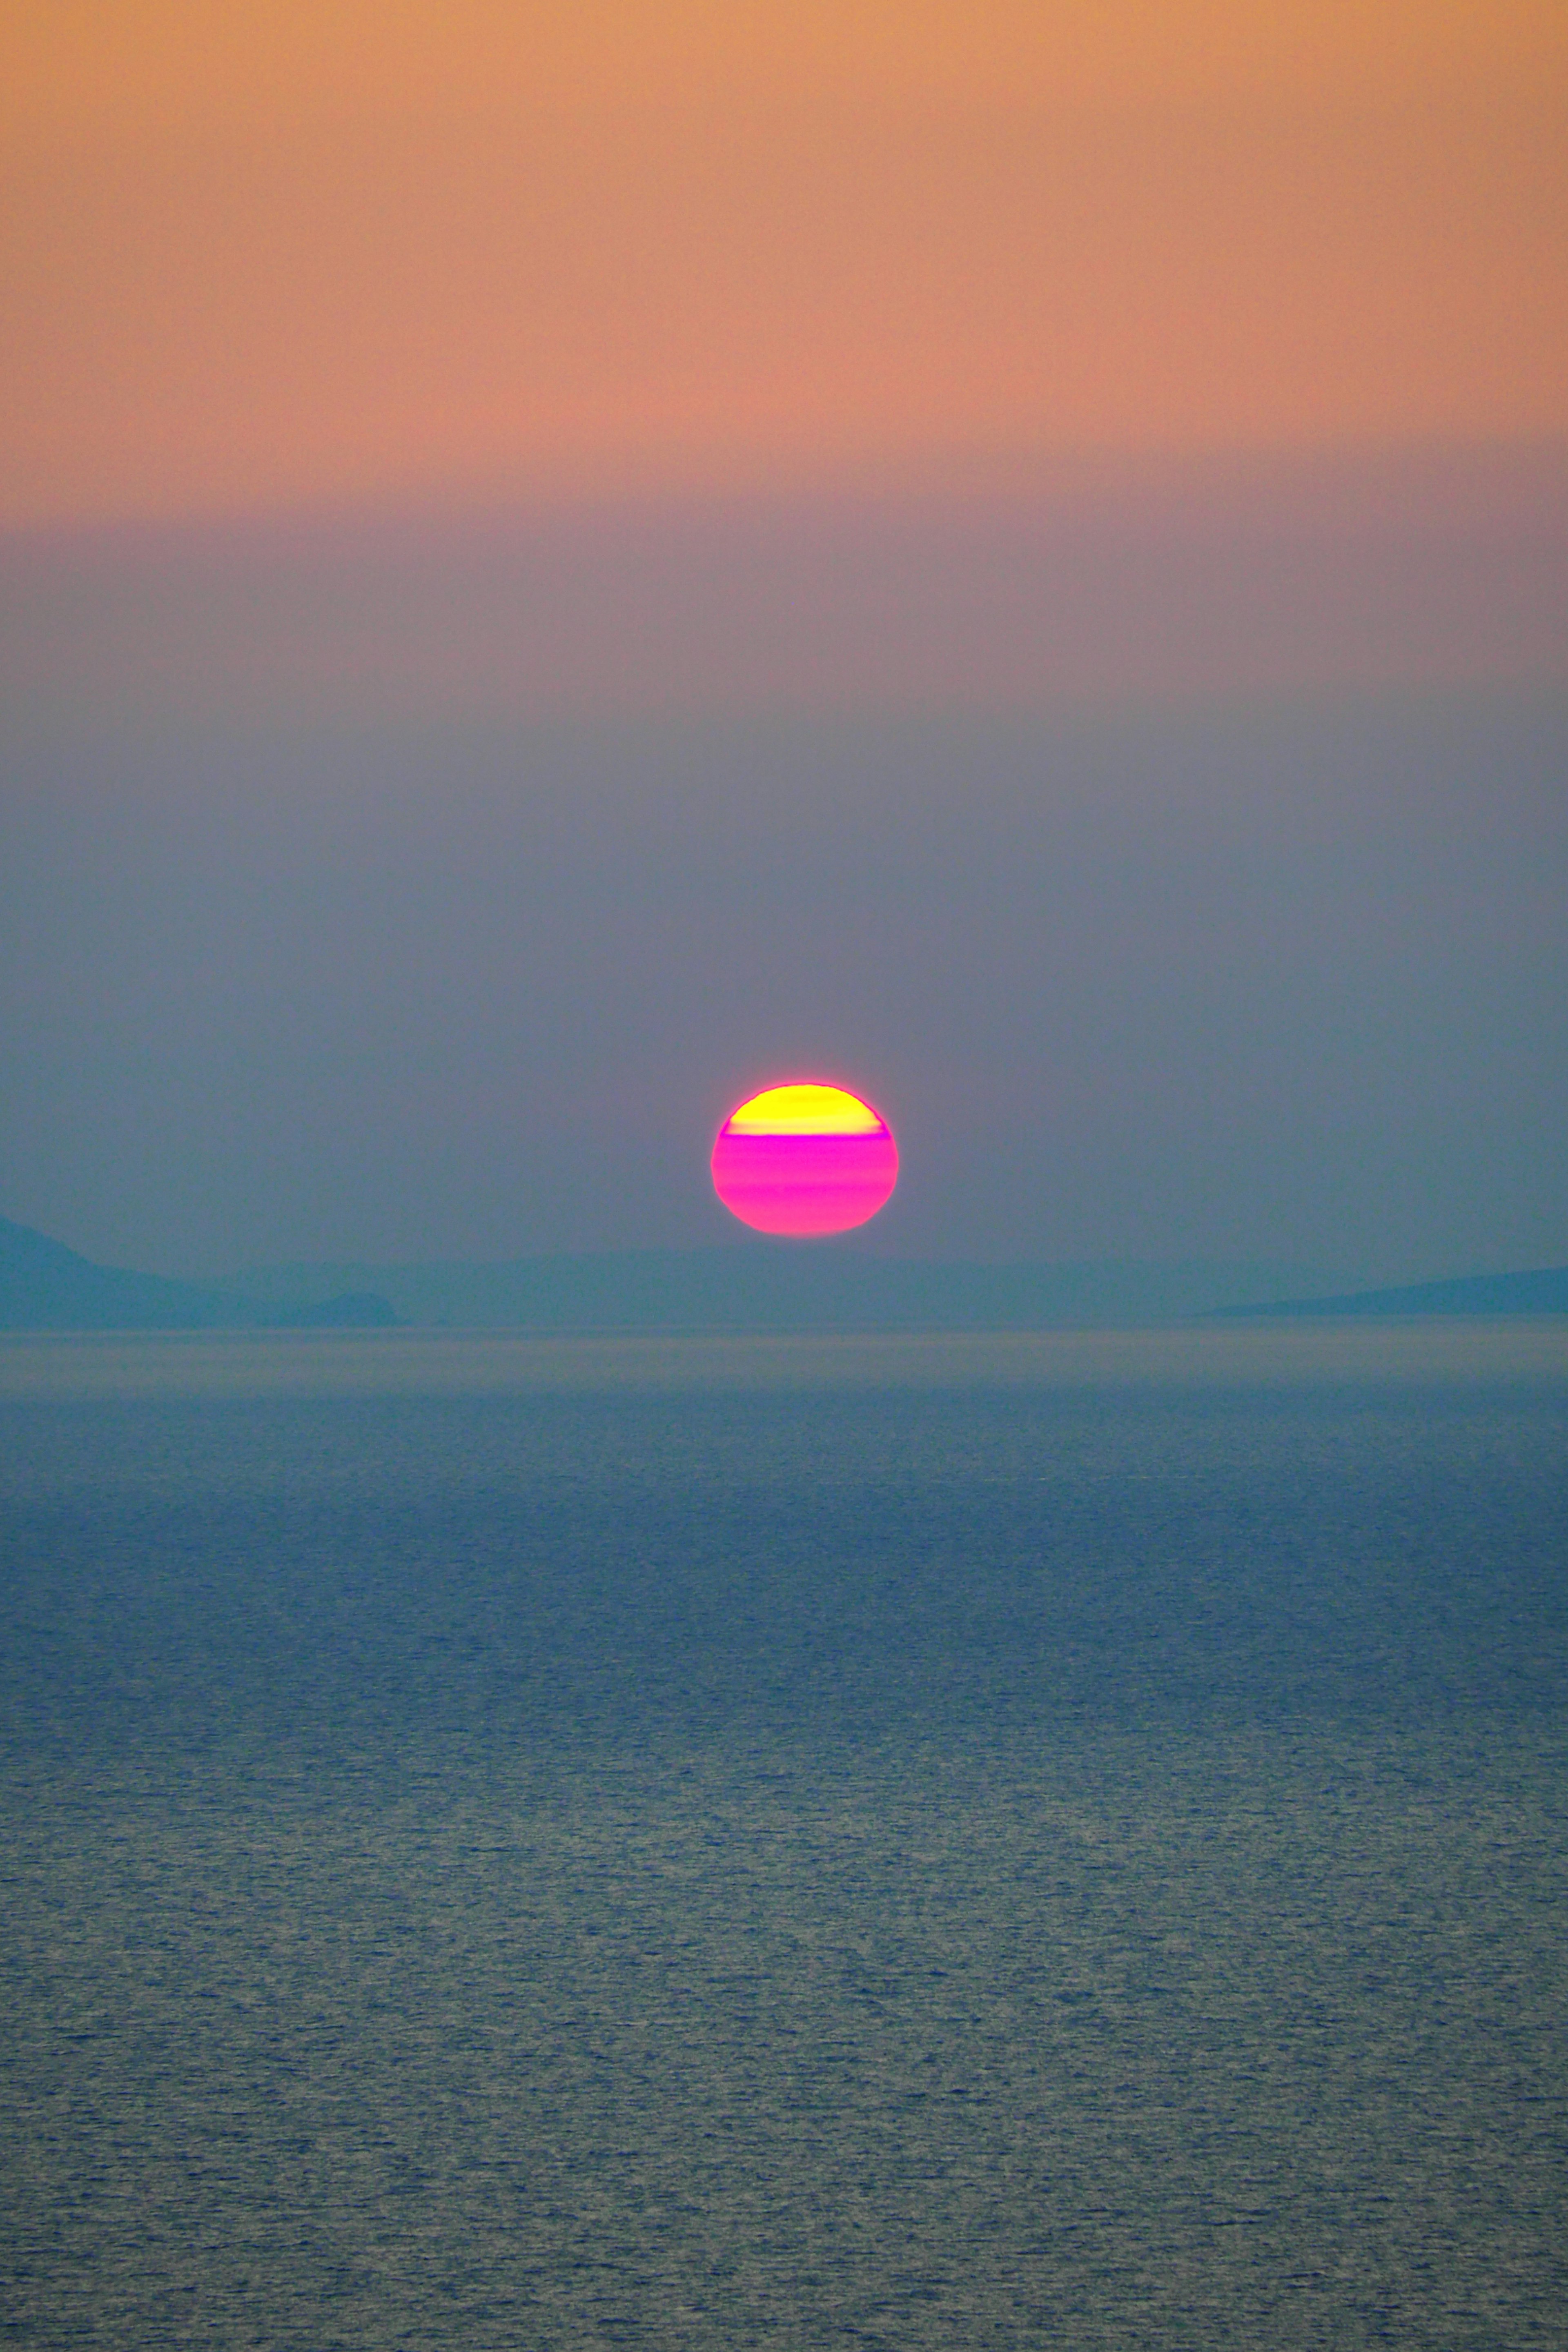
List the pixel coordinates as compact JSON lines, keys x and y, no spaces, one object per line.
{"x":804,"y":1161}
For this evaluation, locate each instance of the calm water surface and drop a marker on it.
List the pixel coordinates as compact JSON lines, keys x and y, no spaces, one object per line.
{"x":719,"y":1846}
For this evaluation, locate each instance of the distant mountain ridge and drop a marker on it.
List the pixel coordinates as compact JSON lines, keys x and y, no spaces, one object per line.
{"x":762,"y":1286}
{"x":45,"y":1286}
{"x":770,"y":1286}
{"x":790,"y":1287}
{"x":743,"y":1286}
{"x":1542,"y":1291}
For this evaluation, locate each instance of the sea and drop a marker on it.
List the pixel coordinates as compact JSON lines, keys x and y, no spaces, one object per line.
{"x":941,"y":1841}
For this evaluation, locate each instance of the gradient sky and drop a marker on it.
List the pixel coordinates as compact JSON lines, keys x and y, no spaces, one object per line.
{"x":265,"y":255}
{"x":559,"y":564}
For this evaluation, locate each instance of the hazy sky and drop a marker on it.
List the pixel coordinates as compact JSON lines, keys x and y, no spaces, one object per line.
{"x":259,"y":253}
{"x":559,"y":564}
{"x":267,"y":253}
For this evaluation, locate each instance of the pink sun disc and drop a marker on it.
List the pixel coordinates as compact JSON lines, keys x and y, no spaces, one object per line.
{"x":804,"y":1161}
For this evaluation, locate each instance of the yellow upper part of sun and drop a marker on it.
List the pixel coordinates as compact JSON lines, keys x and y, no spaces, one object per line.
{"x":805,"y":1110}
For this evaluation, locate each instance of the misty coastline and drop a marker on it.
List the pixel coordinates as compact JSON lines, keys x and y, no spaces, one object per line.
{"x":44,"y":1285}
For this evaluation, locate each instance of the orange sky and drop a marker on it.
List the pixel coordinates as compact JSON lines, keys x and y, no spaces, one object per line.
{"x":267,"y":257}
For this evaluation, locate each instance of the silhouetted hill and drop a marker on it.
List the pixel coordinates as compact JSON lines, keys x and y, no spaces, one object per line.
{"x":1542,"y":1292}
{"x":45,"y":1286}
{"x":771,"y":1286}
{"x":758,"y":1287}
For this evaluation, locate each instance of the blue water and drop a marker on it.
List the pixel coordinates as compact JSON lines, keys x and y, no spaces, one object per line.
{"x":815,"y":1864}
